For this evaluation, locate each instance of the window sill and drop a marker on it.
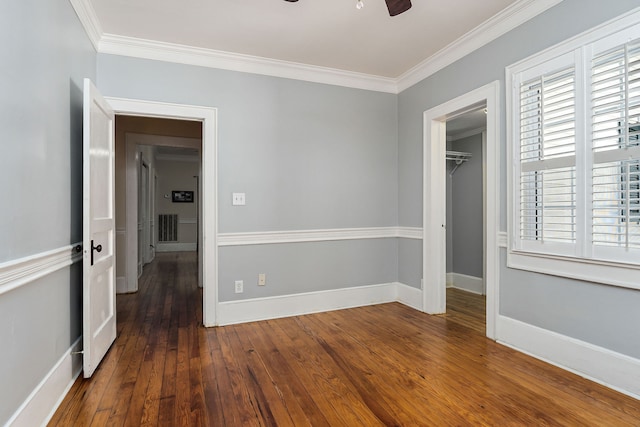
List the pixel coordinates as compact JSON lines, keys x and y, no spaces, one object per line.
{"x":608,"y":273}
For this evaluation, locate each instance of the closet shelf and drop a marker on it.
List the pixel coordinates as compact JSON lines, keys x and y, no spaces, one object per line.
{"x":459,"y":157}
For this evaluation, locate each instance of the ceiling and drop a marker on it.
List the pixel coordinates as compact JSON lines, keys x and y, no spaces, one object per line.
{"x":320,"y":33}
{"x":472,"y":121}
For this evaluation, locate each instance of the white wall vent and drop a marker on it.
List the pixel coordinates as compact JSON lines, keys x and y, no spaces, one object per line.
{"x":167,"y":228}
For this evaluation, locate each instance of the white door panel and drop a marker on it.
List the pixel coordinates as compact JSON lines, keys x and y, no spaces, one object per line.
{"x":99,"y":276}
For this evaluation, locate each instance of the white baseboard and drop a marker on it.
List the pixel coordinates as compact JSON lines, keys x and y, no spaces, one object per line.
{"x":409,"y":296}
{"x":256,"y":309}
{"x":466,"y":283}
{"x":176,"y":247}
{"x":121,"y":285}
{"x":606,"y":367}
{"x":251,"y":310}
{"x":43,"y":401}
{"x":449,"y":280}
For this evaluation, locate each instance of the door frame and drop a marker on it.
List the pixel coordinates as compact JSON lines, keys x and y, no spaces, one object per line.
{"x":208,"y":264}
{"x":434,"y":200}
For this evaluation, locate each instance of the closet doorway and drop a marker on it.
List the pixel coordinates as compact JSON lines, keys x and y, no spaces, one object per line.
{"x":465,"y":207}
{"x":434,"y":243}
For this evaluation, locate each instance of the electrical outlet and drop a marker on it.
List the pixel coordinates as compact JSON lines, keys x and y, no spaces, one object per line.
{"x":262,"y":279}
{"x":239,"y":286}
{"x":238,"y":199}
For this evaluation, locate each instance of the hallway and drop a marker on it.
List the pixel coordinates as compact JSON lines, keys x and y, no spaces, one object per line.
{"x":376,"y":365}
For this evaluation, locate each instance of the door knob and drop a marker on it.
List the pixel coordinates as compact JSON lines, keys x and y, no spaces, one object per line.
{"x":96,"y":249}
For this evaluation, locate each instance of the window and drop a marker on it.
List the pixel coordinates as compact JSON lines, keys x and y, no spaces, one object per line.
{"x":548,"y":158}
{"x":615,"y":116}
{"x":574,"y":144}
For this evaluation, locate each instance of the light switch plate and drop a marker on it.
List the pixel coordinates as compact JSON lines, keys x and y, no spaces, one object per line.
{"x":238,"y":199}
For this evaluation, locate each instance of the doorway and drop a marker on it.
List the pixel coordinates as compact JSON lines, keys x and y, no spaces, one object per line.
{"x":465,"y":191}
{"x":145,"y":217}
{"x":434,"y":199}
{"x":206,"y":222}
{"x":150,"y":149}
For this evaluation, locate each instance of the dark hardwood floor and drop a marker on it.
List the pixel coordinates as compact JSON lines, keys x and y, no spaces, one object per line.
{"x":371,"y":366}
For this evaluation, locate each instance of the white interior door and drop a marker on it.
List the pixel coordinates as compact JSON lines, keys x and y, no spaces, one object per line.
{"x":99,"y":274}
{"x":141,"y":212}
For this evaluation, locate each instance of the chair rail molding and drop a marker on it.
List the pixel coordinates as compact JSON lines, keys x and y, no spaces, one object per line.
{"x":320,"y":235}
{"x":22,"y":271}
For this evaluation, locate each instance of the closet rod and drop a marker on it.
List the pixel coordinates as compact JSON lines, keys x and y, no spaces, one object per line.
{"x":459,"y":157}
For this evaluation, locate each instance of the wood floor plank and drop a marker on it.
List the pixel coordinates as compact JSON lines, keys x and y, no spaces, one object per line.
{"x":211,"y":394}
{"x":100,"y":418}
{"x":303,"y":408}
{"x":368,"y":366}
{"x":265,"y":393}
{"x":225,"y":410}
{"x":324,"y":377}
{"x":359,"y":354}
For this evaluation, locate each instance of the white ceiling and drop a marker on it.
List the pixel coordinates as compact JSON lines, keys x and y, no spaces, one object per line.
{"x":472,"y":121}
{"x":324,"y":33}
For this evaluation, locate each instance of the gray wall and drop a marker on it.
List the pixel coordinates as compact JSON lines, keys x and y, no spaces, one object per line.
{"x":410,"y":262}
{"x":465,"y":226}
{"x":307,"y":155}
{"x":176,"y":175}
{"x":560,"y":305}
{"x":307,"y":267}
{"x":45,"y":55}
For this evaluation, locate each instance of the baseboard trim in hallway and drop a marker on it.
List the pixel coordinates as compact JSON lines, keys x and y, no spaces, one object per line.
{"x":45,"y":399}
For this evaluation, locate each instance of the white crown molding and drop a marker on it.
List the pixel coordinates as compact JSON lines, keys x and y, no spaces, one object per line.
{"x":16,"y":273}
{"x":182,"y":54}
{"x":500,"y":24}
{"x":503,"y":22}
{"x":89,"y":20}
{"x":300,"y":236}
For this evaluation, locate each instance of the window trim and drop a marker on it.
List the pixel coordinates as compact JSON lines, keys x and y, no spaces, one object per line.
{"x":555,"y":261}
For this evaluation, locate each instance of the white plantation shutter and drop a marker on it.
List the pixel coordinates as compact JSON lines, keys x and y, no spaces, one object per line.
{"x":547,"y":158}
{"x":615,"y":127}
{"x":573,"y":153}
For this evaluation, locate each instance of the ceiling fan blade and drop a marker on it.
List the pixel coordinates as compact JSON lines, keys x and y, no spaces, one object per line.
{"x":396,"y":7}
